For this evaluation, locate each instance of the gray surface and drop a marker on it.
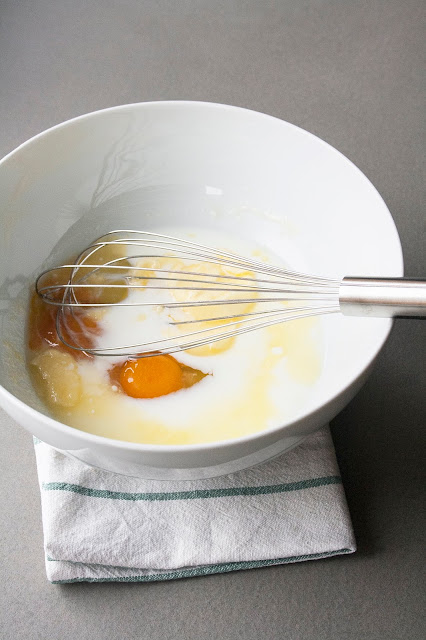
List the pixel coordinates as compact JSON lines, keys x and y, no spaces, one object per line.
{"x":349,"y":71}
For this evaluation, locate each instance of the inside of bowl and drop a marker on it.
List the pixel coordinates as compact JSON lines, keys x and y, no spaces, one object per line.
{"x":170,"y":164}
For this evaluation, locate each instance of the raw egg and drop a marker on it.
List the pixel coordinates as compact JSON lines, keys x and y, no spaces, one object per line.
{"x":77,"y":328}
{"x":151,"y":377}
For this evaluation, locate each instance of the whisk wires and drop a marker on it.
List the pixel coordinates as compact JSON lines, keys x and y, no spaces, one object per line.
{"x":236,"y":294}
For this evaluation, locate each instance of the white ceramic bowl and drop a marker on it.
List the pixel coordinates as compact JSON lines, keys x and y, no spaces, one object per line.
{"x":158,"y":163}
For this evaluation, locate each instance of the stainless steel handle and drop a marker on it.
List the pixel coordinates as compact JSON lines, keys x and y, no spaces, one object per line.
{"x":382,"y":297}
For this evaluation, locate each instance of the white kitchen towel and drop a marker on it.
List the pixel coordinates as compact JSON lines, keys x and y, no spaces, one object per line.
{"x":100,"y":526}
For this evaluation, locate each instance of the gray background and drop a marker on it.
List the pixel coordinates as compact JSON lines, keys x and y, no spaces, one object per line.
{"x":349,"y":71}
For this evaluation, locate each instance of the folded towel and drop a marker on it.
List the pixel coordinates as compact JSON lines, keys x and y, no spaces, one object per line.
{"x":100,"y":526}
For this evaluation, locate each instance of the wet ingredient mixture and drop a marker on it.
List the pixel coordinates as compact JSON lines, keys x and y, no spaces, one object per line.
{"x":219,"y":391}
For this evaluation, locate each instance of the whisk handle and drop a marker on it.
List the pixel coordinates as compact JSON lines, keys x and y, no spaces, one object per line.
{"x":382,"y":297}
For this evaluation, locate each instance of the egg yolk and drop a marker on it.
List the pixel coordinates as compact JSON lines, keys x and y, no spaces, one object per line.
{"x":151,"y":377}
{"x":97,"y":294}
{"x":77,"y":328}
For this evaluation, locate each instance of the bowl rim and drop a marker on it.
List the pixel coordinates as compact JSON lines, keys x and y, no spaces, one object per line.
{"x":112,"y":443}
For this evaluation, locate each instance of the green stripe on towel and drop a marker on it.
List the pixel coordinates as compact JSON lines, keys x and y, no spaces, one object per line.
{"x":192,"y":495}
{"x":209,"y":569}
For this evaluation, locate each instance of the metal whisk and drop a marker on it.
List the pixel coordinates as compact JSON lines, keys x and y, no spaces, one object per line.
{"x":235,"y":294}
